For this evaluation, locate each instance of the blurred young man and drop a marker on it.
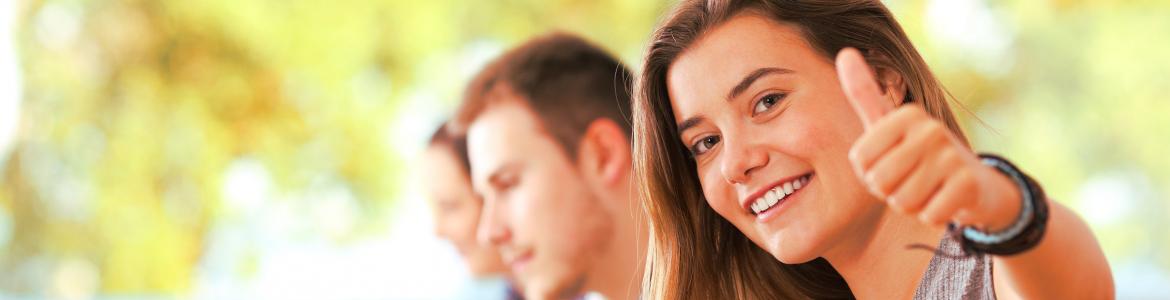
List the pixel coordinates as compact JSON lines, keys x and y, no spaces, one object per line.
{"x":550,"y":154}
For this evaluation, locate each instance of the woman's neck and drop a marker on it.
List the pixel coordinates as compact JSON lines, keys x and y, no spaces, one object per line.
{"x":875,"y":260}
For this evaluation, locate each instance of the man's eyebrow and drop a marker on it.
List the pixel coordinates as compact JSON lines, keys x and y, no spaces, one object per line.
{"x":751,"y":78}
{"x":501,"y":171}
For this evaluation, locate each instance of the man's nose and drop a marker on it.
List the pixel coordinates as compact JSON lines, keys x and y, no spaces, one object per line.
{"x":493,"y":228}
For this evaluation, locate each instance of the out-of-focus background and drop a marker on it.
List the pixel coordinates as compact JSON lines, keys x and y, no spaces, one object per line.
{"x":220,"y":149}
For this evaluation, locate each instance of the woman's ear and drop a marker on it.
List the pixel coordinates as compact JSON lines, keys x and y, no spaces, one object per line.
{"x":892,"y":83}
{"x":604,"y":152}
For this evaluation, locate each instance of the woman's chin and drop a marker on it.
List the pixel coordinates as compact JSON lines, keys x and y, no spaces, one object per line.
{"x":794,"y":258}
{"x":791,"y":253}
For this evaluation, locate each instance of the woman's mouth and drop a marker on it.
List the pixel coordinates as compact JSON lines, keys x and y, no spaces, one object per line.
{"x":777,"y":195}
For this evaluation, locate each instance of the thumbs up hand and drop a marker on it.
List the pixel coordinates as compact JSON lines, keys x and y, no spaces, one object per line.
{"x":915,"y":164}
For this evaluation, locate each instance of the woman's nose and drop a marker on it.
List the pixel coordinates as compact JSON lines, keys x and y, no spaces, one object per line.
{"x":740,"y":160}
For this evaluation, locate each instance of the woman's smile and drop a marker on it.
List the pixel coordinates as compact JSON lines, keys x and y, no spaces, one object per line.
{"x":766,"y":203}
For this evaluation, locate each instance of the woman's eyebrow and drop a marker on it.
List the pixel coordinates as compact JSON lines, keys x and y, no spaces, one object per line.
{"x":752,"y":77}
{"x":688,"y":123}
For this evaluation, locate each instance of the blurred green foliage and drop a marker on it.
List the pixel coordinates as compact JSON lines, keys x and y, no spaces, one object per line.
{"x":135,"y":114}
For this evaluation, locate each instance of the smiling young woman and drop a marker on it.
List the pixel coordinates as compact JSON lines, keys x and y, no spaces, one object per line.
{"x":767,"y":166}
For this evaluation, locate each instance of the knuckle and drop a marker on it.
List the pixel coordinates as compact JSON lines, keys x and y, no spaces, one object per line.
{"x":898,"y":204}
{"x":948,"y":157}
{"x":906,"y":203}
{"x":916,"y":111}
{"x":871,"y":180}
{"x":905,"y":111}
{"x":899,"y":118}
{"x":935,"y":129}
{"x":858,"y":156}
{"x":880,"y":192}
{"x":929,"y":218}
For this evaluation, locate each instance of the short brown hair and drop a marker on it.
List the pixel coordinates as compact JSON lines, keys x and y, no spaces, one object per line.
{"x":566,"y":81}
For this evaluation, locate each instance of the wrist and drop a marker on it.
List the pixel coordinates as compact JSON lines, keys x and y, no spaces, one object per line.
{"x":1006,"y":201}
{"x":1029,"y":226}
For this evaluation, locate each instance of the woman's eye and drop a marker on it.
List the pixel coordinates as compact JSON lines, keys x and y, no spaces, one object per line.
{"x":704,"y":145}
{"x":766,"y":103}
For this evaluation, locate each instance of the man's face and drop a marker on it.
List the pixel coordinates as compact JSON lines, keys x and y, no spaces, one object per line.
{"x":537,"y":208}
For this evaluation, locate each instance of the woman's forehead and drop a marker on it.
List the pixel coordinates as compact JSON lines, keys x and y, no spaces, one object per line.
{"x":722,"y":57}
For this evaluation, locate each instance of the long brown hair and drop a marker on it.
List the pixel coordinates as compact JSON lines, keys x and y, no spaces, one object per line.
{"x":694,"y":252}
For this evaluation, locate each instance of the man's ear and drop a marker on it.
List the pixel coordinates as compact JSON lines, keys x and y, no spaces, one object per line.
{"x":891,"y":81}
{"x":604,"y":151}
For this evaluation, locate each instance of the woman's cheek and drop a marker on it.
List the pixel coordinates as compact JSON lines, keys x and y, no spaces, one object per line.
{"x":799,"y":135}
{"x":468,"y":224}
{"x":717,"y":192}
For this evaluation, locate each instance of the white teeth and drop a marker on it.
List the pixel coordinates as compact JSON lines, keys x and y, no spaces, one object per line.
{"x":773,"y":196}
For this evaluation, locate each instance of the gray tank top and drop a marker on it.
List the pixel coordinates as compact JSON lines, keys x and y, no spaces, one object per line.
{"x":957,"y":277}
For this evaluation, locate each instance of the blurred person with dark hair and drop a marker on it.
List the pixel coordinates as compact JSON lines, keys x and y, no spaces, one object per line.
{"x":456,"y":211}
{"x":550,"y":154}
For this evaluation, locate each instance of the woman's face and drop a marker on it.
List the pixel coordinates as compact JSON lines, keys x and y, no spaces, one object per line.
{"x":770,"y":128}
{"x":456,"y":210}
